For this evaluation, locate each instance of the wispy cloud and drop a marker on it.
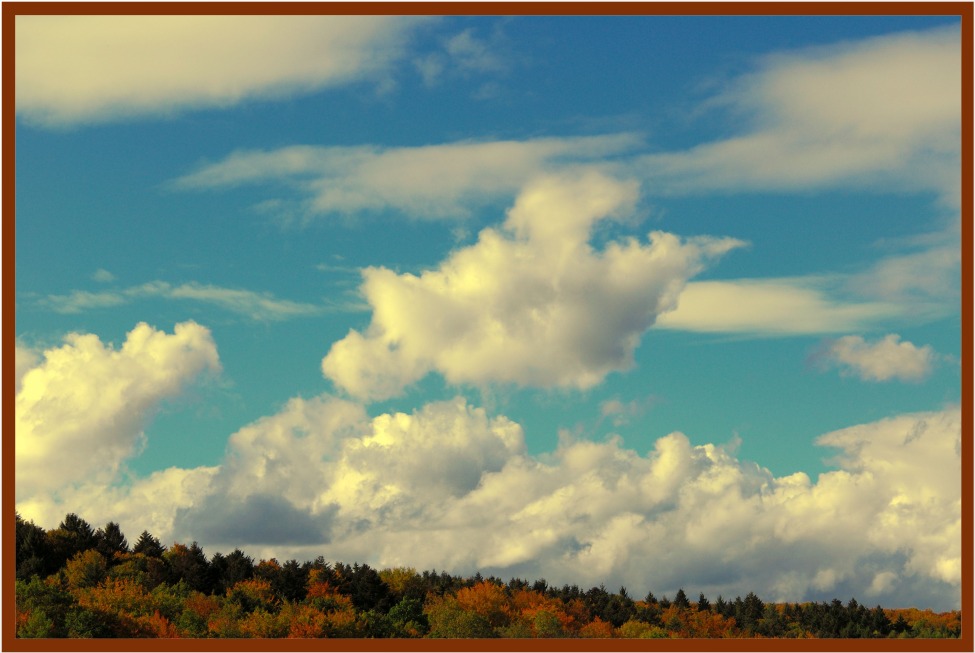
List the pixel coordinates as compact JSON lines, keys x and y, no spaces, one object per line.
{"x":84,"y":69}
{"x":880,"y":113}
{"x":260,"y":306}
{"x":777,"y":307}
{"x":462,"y":54}
{"x":429,"y":182}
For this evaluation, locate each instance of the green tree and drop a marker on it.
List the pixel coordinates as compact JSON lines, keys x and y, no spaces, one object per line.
{"x":109,"y":540}
{"x":703,"y":605}
{"x":86,"y":569}
{"x":149,"y":546}
{"x":680,"y":600}
{"x":33,"y":552}
{"x":187,"y":563}
{"x":448,"y":619}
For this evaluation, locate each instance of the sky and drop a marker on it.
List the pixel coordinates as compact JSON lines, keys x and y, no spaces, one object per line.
{"x":655,"y":302}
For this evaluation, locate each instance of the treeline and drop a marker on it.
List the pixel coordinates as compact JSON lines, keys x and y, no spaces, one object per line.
{"x":75,"y":581}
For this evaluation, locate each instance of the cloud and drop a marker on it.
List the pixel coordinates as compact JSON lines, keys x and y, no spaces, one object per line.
{"x":335,"y":471}
{"x":883,"y":360}
{"x":882,"y":112}
{"x":102,"y":275}
{"x":450,"y":487}
{"x":261,"y":519}
{"x":87,"y":69}
{"x":927,"y":279}
{"x":254,"y":305}
{"x":773,"y":307}
{"x":151,"y":503}
{"x":86,"y":396}
{"x":427,"y":182}
{"x":25,"y":359}
{"x":462,"y":54}
{"x":531,"y":303}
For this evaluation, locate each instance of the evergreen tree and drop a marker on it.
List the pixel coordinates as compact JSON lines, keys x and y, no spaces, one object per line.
{"x":680,"y":600}
{"x":703,"y":605}
{"x":110,"y":540}
{"x":149,"y":546}
{"x":81,"y":529}
{"x":33,"y":553}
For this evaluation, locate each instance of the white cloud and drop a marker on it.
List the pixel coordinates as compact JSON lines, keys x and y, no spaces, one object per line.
{"x":89,"y":397}
{"x":25,"y":359}
{"x":83,"y":69}
{"x":450,"y":487}
{"x":773,"y":307}
{"x":427,"y":182}
{"x":883,"y":112}
{"x":531,"y":303}
{"x":151,"y":503}
{"x":251,"y":304}
{"x":883,"y":360}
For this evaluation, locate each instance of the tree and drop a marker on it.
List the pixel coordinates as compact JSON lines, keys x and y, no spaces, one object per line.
{"x":487,"y":600}
{"x":703,"y":605}
{"x":228,"y":570}
{"x":680,"y":600}
{"x":448,"y":619}
{"x":149,"y":546}
{"x":408,"y":618}
{"x":86,"y":569}
{"x":70,"y":538}
{"x":81,"y":529}
{"x":110,"y":540}
{"x":364,"y":586}
{"x":292,"y":580}
{"x":33,"y":551}
{"x":188,"y":564}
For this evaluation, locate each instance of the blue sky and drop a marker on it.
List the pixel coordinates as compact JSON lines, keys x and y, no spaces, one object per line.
{"x":598,"y":281}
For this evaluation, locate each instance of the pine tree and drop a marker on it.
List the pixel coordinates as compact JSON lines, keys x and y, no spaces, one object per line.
{"x":149,"y":546}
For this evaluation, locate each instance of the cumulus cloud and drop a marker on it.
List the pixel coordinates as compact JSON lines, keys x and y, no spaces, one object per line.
{"x":86,"y":396}
{"x":450,"y":487}
{"x":151,"y":503}
{"x":882,"y":112}
{"x":332,"y":471}
{"x":531,"y":303}
{"x":427,"y":182}
{"x":883,"y":360}
{"x":254,"y":305}
{"x":85,"y":69}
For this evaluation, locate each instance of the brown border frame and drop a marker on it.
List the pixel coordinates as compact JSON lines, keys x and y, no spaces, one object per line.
{"x":964,"y":10}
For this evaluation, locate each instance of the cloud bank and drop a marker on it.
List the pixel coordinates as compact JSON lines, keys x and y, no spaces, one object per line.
{"x":87,"y":69}
{"x":531,"y":303}
{"x":450,"y":487}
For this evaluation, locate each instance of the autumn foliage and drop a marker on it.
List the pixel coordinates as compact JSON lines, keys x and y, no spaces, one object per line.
{"x":74,"y":581}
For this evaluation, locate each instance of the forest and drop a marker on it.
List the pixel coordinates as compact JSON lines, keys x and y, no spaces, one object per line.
{"x":76,"y":581}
